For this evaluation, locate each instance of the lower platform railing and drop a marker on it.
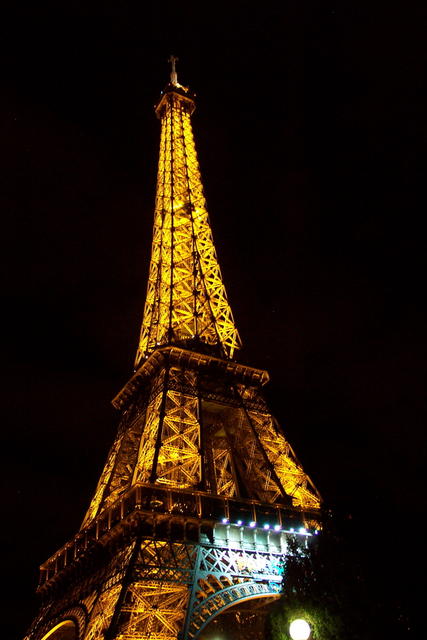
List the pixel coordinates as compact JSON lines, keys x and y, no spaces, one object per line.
{"x":187,"y":504}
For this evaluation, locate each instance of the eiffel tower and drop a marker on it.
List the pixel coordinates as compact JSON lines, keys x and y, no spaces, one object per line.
{"x":201,"y":490}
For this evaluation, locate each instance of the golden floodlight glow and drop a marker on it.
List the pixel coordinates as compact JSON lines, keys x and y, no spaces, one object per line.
{"x":200,"y":489}
{"x":186,"y":305}
{"x":186,"y":297}
{"x":65,"y":630}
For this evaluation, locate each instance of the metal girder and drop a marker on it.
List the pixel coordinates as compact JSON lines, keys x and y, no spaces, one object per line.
{"x":222,"y":600}
{"x":226,"y":576}
{"x":186,"y":298}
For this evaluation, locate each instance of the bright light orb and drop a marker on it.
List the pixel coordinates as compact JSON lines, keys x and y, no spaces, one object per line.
{"x":299,"y":629}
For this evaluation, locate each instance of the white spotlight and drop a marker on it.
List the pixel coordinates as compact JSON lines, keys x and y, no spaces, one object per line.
{"x":299,"y":629}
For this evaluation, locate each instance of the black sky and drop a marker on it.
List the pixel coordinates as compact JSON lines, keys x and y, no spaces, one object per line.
{"x":311,"y":132}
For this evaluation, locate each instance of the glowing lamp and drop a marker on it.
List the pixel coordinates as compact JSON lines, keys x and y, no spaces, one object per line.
{"x":224,"y":520}
{"x":299,"y":629}
{"x":252,"y":524}
{"x":266,"y":526}
{"x":277,"y":527}
{"x":239,"y":522}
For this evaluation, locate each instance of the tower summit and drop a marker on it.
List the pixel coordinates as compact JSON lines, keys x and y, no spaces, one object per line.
{"x":186,"y":301}
{"x":174,"y":77}
{"x":200,"y":490}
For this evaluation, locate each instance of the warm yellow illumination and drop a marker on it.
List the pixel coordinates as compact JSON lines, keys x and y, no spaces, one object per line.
{"x":191,"y":511}
{"x":186,"y":297}
{"x":292,"y":476}
{"x":65,"y":630}
{"x":299,"y":629}
{"x":186,"y":301}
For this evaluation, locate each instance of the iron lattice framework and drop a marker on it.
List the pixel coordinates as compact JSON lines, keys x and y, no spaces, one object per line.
{"x":200,"y":422}
{"x":186,"y":298}
{"x":200,"y":489}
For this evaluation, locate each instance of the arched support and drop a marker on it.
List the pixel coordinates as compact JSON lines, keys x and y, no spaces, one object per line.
{"x":70,"y":624}
{"x":218,"y":602}
{"x":227,"y":575}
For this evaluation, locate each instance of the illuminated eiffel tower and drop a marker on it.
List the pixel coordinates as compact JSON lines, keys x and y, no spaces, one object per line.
{"x":201,"y":490}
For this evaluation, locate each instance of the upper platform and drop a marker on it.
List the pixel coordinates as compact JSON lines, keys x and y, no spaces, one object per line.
{"x":179,"y":92}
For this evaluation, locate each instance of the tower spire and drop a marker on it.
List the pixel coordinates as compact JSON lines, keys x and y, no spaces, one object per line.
{"x":174,"y":77}
{"x":186,"y":302}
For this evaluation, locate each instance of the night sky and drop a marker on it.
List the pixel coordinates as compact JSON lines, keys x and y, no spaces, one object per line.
{"x":311,"y":132}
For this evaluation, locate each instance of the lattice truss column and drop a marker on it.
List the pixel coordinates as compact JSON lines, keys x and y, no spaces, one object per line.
{"x":296,"y":483}
{"x":118,"y":470}
{"x":252,"y":448}
{"x":102,"y":614}
{"x":158,"y":441}
{"x":186,"y":297}
{"x":220,"y":468}
{"x":169,"y":452}
{"x":155,"y":603}
{"x":103,"y":603}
